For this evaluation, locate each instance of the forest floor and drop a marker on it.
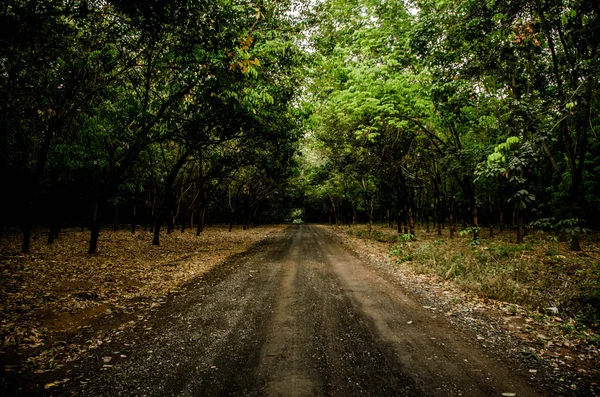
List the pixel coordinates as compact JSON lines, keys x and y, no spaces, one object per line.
{"x":543,"y":295}
{"x":58,"y":304}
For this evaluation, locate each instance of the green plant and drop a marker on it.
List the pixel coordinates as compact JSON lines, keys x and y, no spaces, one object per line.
{"x":407,"y":237}
{"x":552,"y":250}
{"x":507,"y":250}
{"x":570,"y":226}
{"x":475,"y":240}
{"x":457,"y":267}
{"x":398,"y":251}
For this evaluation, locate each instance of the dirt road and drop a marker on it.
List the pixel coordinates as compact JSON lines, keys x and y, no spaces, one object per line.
{"x":298,"y":316}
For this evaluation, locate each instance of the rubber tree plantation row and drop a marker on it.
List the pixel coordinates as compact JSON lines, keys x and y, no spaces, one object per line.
{"x":147,"y":112}
{"x":157,"y":113}
{"x":485,"y":113}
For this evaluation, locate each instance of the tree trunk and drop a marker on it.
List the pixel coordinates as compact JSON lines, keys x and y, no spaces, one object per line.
{"x":475,"y":217}
{"x":200,"y":225}
{"x":52,"y":223}
{"x":369,"y":208}
{"x":409,"y":214}
{"x":334,"y":210}
{"x":165,"y":211}
{"x":157,"y":225}
{"x":134,"y":220}
{"x":411,"y":221}
{"x":95,"y":232}
{"x":451,"y":219}
{"x":575,"y":238}
{"x":519,"y":215}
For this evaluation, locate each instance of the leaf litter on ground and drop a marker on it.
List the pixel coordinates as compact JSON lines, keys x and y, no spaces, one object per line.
{"x":58,"y":290}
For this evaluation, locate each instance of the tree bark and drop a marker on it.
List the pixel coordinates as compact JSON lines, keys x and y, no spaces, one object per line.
{"x":451,"y":219}
{"x":165,"y":211}
{"x":335,"y":216}
{"x":95,"y":232}
{"x":133,"y":220}
{"x":200,"y":225}
{"x":519,"y":215}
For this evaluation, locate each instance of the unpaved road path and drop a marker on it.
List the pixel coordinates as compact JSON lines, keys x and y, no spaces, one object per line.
{"x":298,"y":316}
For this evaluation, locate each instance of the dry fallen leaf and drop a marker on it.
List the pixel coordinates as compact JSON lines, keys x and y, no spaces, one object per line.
{"x":59,"y":289}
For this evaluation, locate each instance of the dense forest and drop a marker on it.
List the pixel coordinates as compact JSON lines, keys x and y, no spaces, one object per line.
{"x":177,"y":114}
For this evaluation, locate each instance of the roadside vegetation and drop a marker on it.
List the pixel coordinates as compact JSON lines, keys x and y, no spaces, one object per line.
{"x":541,"y":275}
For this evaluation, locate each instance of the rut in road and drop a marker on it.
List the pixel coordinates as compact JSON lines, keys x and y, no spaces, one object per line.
{"x":301,"y":316}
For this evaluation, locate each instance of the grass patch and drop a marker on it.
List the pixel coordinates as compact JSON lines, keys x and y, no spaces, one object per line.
{"x":540,"y":273}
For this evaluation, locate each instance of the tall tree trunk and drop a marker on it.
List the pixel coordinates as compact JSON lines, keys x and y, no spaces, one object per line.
{"x":451,"y":218}
{"x":96,"y":223}
{"x":335,"y":216}
{"x":440,"y":217}
{"x":165,"y":211}
{"x":133,"y":219}
{"x":519,"y":215}
{"x":408,"y":194}
{"x":235,"y":209}
{"x":33,"y":184}
{"x":200,"y":225}
{"x":153,"y":211}
{"x":475,"y":218}
{"x":157,"y":226}
{"x":411,"y":218}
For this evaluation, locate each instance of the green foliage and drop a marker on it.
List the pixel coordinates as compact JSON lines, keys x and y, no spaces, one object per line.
{"x":158,"y":106}
{"x":400,"y":253}
{"x":475,"y":240}
{"x":394,"y":110}
{"x":402,"y":95}
{"x":504,"y":251}
{"x":569,"y":226}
